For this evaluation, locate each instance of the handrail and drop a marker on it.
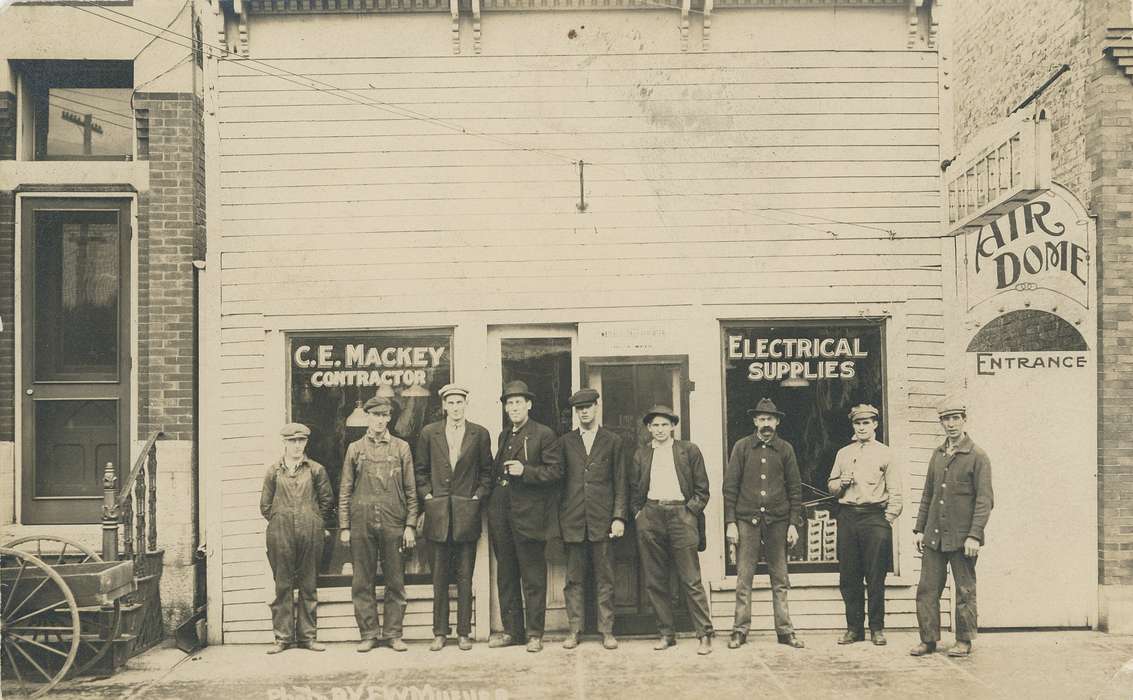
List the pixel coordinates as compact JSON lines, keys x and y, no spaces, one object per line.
{"x":128,"y":485}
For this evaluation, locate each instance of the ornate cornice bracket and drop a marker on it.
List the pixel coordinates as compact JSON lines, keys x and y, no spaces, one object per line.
{"x":1118,"y":48}
{"x":242,"y":25}
{"x":686,"y":5}
{"x":454,"y":10}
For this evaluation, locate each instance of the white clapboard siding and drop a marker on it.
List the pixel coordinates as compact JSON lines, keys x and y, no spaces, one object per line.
{"x":429,"y":185}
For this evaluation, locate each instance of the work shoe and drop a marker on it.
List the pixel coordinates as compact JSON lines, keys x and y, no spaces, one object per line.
{"x":438,"y":643}
{"x":960,"y":649}
{"x":535,"y":645}
{"x":277,"y":648}
{"x":366,"y":645}
{"x":923,"y":649}
{"x":705,"y":647}
{"x":736,"y":641}
{"x":464,"y":642}
{"x":571,"y":641}
{"x":664,"y":643}
{"x":609,"y":641}
{"x":877,"y":637}
{"x":312,"y":646}
{"x":792,"y":641}
{"x":851,"y":636}
{"x":504,"y":640}
{"x":397,"y":645}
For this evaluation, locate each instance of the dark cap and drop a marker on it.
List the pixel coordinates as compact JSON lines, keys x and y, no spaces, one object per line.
{"x":516,"y":388}
{"x":660,"y":410}
{"x":378,"y":404}
{"x":583,"y":397}
{"x":766,"y":406}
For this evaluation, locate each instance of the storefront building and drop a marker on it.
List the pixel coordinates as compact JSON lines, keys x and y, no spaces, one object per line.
{"x":692,"y":205}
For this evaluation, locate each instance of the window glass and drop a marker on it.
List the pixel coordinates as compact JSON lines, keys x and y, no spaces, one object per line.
{"x":545,"y":365}
{"x":333,"y":375}
{"x":814,"y":372}
{"x":88,"y":123}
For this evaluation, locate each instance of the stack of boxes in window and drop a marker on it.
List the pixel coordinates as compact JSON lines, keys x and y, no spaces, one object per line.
{"x":821,"y":537}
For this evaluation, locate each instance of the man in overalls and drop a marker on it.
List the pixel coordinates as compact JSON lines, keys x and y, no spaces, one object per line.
{"x":377,"y":513}
{"x":296,"y":499}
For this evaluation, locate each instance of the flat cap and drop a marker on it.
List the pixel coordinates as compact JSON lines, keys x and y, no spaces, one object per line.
{"x":452,"y":389}
{"x":583,"y":397}
{"x":950,"y":405}
{"x":863,"y":410}
{"x":378,"y":404}
{"x":295,"y":431}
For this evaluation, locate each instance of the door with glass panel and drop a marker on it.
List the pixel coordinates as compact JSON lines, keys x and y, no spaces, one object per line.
{"x":75,"y":359}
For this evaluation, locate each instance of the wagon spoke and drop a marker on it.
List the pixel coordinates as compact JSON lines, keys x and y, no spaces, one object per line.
{"x":15,"y":667}
{"x":46,"y":675}
{"x":43,"y":609}
{"x":27,"y":598}
{"x":38,"y":628}
{"x":19,"y":575}
{"x":41,"y":645}
{"x":62,"y":553}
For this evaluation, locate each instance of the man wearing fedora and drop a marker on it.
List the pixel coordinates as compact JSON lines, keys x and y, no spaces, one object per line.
{"x":592,"y":514}
{"x":454,"y":476}
{"x":763,"y":512}
{"x":296,"y":499}
{"x":668,"y":492}
{"x":527,"y":471}
{"x":868,"y":487}
{"x":377,"y":513}
{"x":955,"y":506}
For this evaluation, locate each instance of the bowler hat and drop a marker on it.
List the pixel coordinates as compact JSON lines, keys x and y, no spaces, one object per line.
{"x":516,"y":388}
{"x":378,"y":404}
{"x":863,"y":410}
{"x":660,"y":410}
{"x":950,"y":405}
{"x":766,"y":405}
{"x":295,"y":431}
{"x":583,"y":397}
{"x":452,"y":389}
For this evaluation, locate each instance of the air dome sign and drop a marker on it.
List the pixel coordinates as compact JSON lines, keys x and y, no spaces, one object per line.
{"x":1041,"y":245}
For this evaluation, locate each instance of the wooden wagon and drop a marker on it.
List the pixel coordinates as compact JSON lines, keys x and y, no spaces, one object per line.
{"x":60,"y":610}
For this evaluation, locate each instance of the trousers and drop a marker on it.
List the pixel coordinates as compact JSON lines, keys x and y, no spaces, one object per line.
{"x":581,"y":557}
{"x":667,"y":539}
{"x":865,"y":546}
{"x":769,"y":539}
{"x":934,"y":574}
{"x":463,"y":554}
{"x":370,"y":542}
{"x":295,"y":546}
{"x":521,"y":572}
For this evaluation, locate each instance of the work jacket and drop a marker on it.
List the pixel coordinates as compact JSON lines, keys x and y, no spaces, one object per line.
{"x":762,"y":482}
{"x":691,"y":475}
{"x":957,"y":497}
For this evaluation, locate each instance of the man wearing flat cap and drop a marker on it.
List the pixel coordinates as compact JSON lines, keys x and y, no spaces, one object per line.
{"x":955,"y":506}
{"x":668,"y":491}
{"x":296,"y":499}
{"x":592,"y":513}
{"x":868,"y":487}
{"x":454,"y":476}
{"x":763,"y":512}
{"x":527,"y":472}
{"x":377,"y":513}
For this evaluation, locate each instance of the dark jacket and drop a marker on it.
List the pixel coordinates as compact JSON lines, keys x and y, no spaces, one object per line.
{"x":532,"y":496}
{"x":452,"y":487}
{"x":691,"y":474}
{"x":763,"y":482}
{"x":594,"y":486}
{"x":957,"y":497}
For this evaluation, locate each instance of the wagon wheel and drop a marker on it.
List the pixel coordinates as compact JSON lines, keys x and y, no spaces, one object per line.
{"x":39,"y":622}
{"x":99,"y":626}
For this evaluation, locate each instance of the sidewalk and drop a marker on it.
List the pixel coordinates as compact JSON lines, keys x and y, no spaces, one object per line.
{"x":1004,"y":665}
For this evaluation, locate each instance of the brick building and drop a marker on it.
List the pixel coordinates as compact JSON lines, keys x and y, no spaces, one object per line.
{"x":101,"y":218}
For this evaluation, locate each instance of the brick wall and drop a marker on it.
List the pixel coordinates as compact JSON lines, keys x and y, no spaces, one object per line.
{"x":7,"y":126}
{"x":1027,"y":330}
{"x":168,"y":229}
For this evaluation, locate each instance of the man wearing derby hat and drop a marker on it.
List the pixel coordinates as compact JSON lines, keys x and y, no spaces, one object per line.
{"x":763,"y":512}
{"x":868,"y":487}
{"x":527,"y":471}
{"x":955,"y":506}
{"x":297,"y":500}
{"x":454,"y":476}
{"x":592,"y":513}
{"x":377,"y":513}
{"x":668,"y":491}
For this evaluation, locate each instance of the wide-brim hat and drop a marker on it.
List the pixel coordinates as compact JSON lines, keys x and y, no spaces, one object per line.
{"x":660,"y":410}
{"x":583,"y":397}
{"x":516,"y":388}
{"x":766,"y":406}
{"x":863,"y":410}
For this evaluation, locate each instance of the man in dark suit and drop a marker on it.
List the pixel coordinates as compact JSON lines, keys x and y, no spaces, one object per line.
{"x":527,"y":471}
{"x":454,"y":475}
{"x":592,"y":512}
{"x":668,"y":492}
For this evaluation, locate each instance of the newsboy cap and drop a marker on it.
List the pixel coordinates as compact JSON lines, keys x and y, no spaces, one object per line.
{"x":663,"y":411}
{"x":378,"y":404}
{"x":516,"y":388}
{"x":583,"y":397}
{"x":766,"y":405}
{"x":295,"y":431}
{"x":452,"y":389}
{"x":950,"y":405}
{"x":863,"y":410}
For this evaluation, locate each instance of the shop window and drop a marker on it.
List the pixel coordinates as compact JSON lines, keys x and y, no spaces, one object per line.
{"x":814,"y":372}
{"x":333,"y":375}
{"x":80,"y":110}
